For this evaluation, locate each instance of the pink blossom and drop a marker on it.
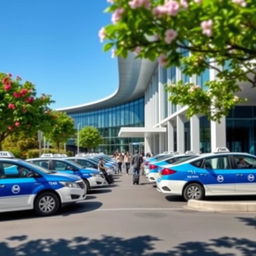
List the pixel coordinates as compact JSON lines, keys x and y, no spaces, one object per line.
{"x":6,"y":80}
{"x":198,"y":1}
{"x":29,"y":100}
{"x":117,"y":15}
{"x":18,"y":78}
{"x":207,"y":27}
{"x":10,"y":128}
{"x":159,"y":11}
{"x":9,"y":74}
{"x":7,"y":87}
{"x":170,"y":35}
{"x":16,"y":95}
{"x":23,"y":91}
{"x":102,"y":34}
{"x":172,"y":8}
{"x":169,"y":8}
{"x":17,"y":123}
{"x":163,"y":60}
{"x":184,"y":3}
{"x":242,"y":3}
{"x":11,"y":106}
{"x":139,"y":3}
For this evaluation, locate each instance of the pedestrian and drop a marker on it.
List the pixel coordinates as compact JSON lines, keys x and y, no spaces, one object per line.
{"x":127,"y":161}
{"x":136,"y":162}
{"x":119,"y":160}
{"x":103,"y":169}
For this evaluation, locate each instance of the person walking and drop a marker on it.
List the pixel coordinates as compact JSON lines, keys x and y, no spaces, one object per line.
{"x":136,"y":162}
{"x":127,"y":161}
{"x":119,"y":160}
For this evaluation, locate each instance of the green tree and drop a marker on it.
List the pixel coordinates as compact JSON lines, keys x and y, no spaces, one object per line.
{"x":89,"y":138}
{"x":20,"y":109}
{"x":19,"y":144}
{"x":62,"y":128}
{"x":216,"y":33}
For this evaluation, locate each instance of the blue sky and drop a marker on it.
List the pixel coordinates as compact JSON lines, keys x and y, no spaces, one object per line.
{"x":55,"y":45}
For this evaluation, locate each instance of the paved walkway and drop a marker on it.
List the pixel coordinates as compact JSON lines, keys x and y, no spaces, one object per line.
{"x":214,"y":204}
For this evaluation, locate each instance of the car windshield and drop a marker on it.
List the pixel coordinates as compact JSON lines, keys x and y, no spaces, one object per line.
{"x":182,"y":159}
{"x":37,"y":167}
{"x":74,"y":164}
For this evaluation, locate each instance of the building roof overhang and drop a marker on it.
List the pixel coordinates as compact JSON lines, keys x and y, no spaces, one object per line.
{"x":139,"y":132}
{"x":134,"y":76}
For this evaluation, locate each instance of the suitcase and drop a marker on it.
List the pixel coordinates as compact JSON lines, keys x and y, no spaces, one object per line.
{"x":136,"y":178}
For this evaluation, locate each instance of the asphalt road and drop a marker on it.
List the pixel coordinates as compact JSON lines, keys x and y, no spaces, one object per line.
{"x":127,"y":219}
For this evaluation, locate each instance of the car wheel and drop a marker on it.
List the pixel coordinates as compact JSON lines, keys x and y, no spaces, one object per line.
{"x":193,"y":191}
{"x":87,"y":185}
{"x":47,"y":204}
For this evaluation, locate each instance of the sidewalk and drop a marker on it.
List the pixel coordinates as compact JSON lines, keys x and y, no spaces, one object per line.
{"x":222,"y":206}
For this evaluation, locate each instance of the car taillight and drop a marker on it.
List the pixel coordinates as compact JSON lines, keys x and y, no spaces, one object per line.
{"x":152,"y":166}
{"x":166,"y":171}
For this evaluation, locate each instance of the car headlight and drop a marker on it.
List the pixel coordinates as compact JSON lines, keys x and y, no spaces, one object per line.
{"x":69,"y":184}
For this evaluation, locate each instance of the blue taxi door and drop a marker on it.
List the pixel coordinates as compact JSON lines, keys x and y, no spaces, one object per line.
{"x":15,"y":192}
{"x":219,"y":178}
{"x":246,"y":174}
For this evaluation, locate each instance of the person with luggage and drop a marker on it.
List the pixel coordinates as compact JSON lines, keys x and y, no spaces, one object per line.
{"x":137,"y":160}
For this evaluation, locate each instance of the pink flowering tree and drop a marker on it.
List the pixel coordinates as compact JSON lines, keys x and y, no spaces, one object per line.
{"x":20,"y":109}
{"x":214,"y":34}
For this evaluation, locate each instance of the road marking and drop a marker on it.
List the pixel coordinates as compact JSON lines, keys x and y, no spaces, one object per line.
{"x":140,"y":209}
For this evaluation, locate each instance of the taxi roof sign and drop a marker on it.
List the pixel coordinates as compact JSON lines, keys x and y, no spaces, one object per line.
{"x":6,"y":154}
{"x":47,"y":155}
{"x":221,"y":150}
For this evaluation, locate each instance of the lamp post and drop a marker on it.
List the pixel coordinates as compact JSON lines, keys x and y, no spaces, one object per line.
{"x":78,"y":138}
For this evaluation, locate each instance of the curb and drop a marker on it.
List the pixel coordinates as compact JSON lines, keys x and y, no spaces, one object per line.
{"x":223,"y":206}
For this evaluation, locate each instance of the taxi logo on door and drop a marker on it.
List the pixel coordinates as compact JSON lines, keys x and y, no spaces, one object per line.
{"x":15,"y":189}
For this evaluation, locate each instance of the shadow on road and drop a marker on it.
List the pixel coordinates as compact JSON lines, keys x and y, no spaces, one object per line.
{"x":249,"y":222}
{"x":100,"y":191}
{"x":81,"y":207}
{"x":116,"y":246}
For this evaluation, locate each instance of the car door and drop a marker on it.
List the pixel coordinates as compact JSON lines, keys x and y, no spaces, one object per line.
{"x":220,"y":178}
{"x":246,"y":174}
{"x":16,"y":188}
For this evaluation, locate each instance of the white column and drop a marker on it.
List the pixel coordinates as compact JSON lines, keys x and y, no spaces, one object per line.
{"x":180,"y":135}
{"x":148,"y":144}
{"x":170,"y":132}
{"x":218,"y":134}
{"x":161,"y":142}
{"x":195,"y":134}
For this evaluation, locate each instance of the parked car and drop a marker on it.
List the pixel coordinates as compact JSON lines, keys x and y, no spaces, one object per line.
{"x":25,"y":186}
{"x":91,"y":177}
{"x":213,"y":174}
{"x":155,"y":159}
{"x":155,"y":168}
{"x":89,"y":163}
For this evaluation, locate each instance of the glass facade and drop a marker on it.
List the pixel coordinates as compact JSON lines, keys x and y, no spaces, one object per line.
{"x":241,"y":129}
{"x":205,"y":135}
{"x":109,"y":121}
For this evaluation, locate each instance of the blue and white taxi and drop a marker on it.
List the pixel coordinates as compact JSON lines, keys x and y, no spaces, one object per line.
{"x":219,"y":173}
{"x":91,"y":177}
{"x":24,"y":186}
{"x":155,"y":168}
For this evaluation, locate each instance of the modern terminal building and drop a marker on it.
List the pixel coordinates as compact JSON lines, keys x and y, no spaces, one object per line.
{"x":139,"y":115}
